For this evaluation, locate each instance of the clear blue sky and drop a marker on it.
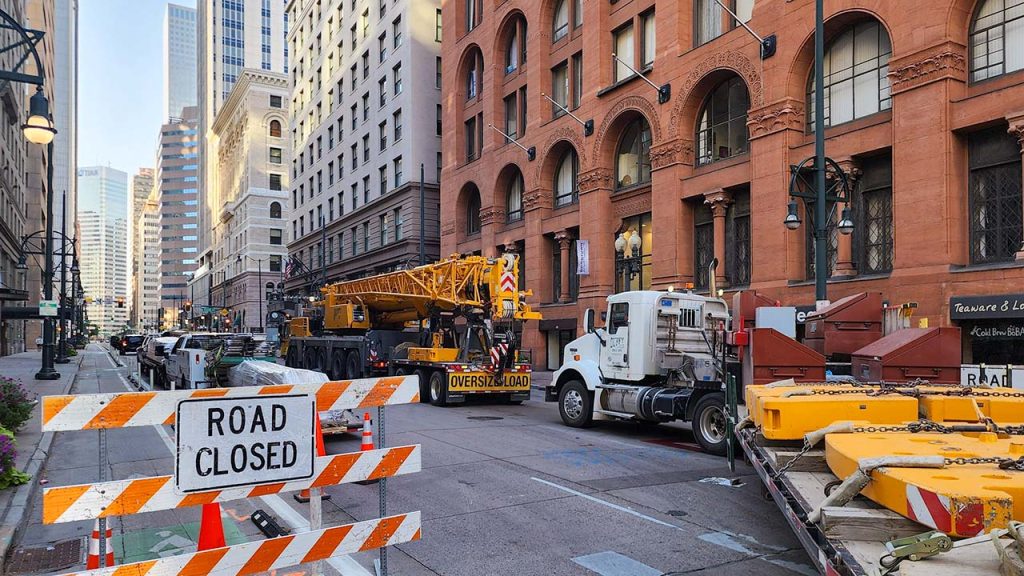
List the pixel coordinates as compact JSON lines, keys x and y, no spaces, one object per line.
{"x":120,"y":81}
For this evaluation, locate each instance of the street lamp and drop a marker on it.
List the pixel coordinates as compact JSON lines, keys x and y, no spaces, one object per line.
{"x":628,"y":265}
{"x":38,"y":129}
{"x":259,"y":280}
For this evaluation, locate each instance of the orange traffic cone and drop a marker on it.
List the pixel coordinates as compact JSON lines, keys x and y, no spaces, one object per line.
{"x":92,"y":561}
{"x":367,"y":442}
{"x":321,"y":450}
{"x":211,"y":529}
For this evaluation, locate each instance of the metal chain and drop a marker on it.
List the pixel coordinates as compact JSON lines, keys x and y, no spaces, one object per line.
{"x":912,"y":427}
{"x":1003,"y":463}
{"x":806,"y":447}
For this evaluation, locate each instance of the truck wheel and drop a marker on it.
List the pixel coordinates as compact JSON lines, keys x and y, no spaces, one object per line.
{"x":709,"y":423}
{"x":576,"y":405}
{"x":292,"y":357}
{"x":337,"y":366}
{"x":352,"y":368}
{"x":424,"y":385}
{"x":438,"y":389}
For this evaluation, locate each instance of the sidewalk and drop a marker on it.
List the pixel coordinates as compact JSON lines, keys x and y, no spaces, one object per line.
{"x":33,"y":445}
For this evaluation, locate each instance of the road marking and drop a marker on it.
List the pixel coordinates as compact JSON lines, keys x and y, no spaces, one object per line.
{"x":731,"y":541}
{"x":345,"y":565}
{"x":608,"y":504}
{"x":615,"y":564}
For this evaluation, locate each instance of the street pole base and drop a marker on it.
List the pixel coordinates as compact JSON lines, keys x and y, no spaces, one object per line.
{"x":48,"y":374}
{"x":62,"y":360}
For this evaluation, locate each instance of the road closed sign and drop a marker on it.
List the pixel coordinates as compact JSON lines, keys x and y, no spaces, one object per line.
{"x":243,"y":441}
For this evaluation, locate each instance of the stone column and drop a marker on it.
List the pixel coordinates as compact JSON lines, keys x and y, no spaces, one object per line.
{"x":564,"y":240}
{"x":1017,"y":129}
{"x":845,"y":267}
{"x":719,"y":201}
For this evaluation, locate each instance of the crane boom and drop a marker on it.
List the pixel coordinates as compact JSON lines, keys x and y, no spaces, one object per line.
{"x":459,"y":284}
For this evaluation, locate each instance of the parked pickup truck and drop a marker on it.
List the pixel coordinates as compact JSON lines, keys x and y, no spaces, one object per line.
{"x":203,"y":360}
{"x":152,"y":356}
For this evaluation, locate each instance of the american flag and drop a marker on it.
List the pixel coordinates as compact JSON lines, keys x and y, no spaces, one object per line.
{"x":289,"y":267}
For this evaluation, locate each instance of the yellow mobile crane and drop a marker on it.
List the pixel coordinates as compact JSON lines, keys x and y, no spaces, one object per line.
{"x":454,"y":323}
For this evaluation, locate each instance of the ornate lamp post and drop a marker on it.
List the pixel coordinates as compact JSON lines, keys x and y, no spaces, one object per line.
{"x":630,"y":265}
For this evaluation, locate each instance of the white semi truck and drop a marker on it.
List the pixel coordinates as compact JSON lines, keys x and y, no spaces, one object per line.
{"x":659,"y":358}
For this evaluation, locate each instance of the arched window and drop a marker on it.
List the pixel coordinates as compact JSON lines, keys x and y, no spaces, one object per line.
{"x":633,"y":158}
{"x":560,"y":24}
{"x":566,"y":178}
{"x":473,"y":212}
{"x":275,"y":129}
{"x":856,"y":75}
{"x":275,"y":209}
{"x":474,"y":74}
{"x":997,"y":39}
{"x":514,"y":198}
{"x":722,"y":129}
{"x":515,"y":49}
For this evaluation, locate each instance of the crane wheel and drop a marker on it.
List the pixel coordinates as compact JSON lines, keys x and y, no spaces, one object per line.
{"x":438,"y":388}
{"x":337,"y":366}
{"x":576,"y":404}
{"x":709,"y":423}
{"x":352,"y":368}
{"x":424,"y":385}
{"x":291,"y":358}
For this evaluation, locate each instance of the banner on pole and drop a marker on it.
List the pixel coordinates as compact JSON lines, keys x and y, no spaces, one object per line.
{"x":583,"y":257}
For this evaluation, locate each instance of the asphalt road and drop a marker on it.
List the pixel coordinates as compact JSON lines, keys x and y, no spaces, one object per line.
{"x":503,"y":490}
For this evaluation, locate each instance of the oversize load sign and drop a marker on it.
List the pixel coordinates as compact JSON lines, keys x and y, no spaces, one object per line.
{"x":243,"y":441}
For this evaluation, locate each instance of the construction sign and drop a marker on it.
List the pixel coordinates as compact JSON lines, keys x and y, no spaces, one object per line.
{"x":246,"y":441}
{"x":236,"y":443}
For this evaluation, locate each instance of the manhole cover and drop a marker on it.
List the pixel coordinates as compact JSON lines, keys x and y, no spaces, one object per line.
{"x":56,"y":556}
{"x":485,"y":418}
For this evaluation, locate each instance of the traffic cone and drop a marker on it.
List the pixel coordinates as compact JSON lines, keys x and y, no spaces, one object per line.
{"x":92,"y":561}
{"x":211,"y":529}
{"x":367,"y":442}
{"x":321,"y":450}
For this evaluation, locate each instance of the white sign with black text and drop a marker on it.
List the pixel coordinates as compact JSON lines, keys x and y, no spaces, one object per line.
{"x":243,"y":441}
{"x":583,"y":257}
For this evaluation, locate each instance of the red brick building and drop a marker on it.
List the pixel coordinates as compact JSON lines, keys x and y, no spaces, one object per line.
{"x":925,"y":114}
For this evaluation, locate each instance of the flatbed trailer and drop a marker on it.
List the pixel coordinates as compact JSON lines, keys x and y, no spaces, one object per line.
{"x":850,"y":540}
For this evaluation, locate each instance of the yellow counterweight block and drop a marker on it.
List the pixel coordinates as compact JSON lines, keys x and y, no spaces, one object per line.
{"x":788,"y":413}
{"x":960,"y":499}
{"x":1003,"y":406}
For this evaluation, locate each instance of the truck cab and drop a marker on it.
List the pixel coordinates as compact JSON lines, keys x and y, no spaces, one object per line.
{"x":660,"y":357}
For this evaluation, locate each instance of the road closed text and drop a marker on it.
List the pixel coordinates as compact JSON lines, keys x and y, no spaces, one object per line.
{"x":256,"y":456}
{"x":228,"y":442}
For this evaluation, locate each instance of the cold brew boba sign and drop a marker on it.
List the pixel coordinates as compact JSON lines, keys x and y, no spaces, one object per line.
{"x":243,"y":441}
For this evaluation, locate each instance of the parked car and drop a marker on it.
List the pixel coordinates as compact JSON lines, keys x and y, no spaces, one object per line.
{"x":130,"y":343}
{"x":153,"y":357}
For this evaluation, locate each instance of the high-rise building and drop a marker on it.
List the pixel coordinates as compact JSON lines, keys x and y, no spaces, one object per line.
{"x":103,"y":215}
{"x":923,"y":115}
{"x":250,"y":147}
{"x":13,"y":199}
{"x":232,"y":36}
{"x":178,"y":194}
{"x":141,"y":188}
{"x":180,"y":73}
{"x":147,"y":248}
{"x":365,"y":125}
{"x":65,"y":109}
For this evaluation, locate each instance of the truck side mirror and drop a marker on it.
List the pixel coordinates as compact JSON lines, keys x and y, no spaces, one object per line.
{"x":588,"y":320}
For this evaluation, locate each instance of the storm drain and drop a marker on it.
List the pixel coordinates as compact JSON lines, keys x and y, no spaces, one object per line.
{"x":484,"y":418}
{"x":57,"y":556}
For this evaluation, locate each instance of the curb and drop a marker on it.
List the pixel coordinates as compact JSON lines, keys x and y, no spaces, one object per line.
{"x":13,"y":519}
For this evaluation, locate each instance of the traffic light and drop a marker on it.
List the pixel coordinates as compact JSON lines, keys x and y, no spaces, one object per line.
{"x":120,"y":301}
{"x":188,"y":306}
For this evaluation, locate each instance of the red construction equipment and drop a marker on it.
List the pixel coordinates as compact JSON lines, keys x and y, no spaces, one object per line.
{"x":847,"y":325}
{"x":931,"y":354}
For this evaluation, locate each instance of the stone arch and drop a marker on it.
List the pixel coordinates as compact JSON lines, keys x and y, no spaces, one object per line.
{"x":463,"y":70}
{"x":802,"y":64}
{"x":625,"y":110}
{"x":553,"y":148}
{"x":502,"y":188}
{"x":704,"y":76}
{"x":959,"y":18}
{"x":501,"y":39}
{"x":469,"y":193}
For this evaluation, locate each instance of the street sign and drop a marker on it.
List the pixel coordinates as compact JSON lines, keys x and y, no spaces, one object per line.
{"x":48,"y":308}
{"x":243,"y":441}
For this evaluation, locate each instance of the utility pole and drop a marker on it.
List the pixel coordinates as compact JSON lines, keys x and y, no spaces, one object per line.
{"x":821,"y":203}
{"x":423,"y":219}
